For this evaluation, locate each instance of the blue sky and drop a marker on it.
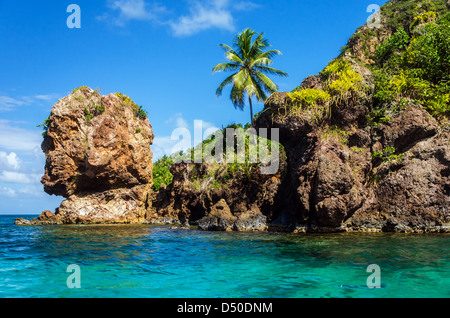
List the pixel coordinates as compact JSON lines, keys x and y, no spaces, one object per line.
{"x":160,"y":53}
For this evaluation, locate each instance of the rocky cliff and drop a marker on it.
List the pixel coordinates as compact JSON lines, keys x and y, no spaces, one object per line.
{"x":366,"y":141}
{"x":98,"y":157}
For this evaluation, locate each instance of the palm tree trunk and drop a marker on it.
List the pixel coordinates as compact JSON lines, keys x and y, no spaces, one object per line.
{"x":252,"y":121}
{"x":251,"y":109}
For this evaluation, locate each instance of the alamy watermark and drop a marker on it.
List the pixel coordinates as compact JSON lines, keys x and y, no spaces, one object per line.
{"x":74,"y":19}
{"x":74,"y":279}
{"x":374,"y":280}
{"x":230,"y":145}
{"x":374,"y":20}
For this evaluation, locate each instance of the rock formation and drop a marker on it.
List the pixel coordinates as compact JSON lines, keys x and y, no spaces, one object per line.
{"x":98,"y":157}
{"x":240,"y":203}
{"x":366,"y":147}
{"x":366,"y":141}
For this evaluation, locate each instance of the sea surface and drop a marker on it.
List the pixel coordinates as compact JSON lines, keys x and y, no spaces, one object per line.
{"x":130,"y":261}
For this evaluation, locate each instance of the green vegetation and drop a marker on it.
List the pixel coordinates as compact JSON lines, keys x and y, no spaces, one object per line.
{"x":92,"y":110}
{"x":341,"y":84}
{"x":401,"y":14}
{"x":377,"y":117}
{"x":87,"y":114}
{"x":336,"y":134}
{"x":308,"y":103}
{"x":45,"y":126}
{"x":138,"y":110}
{"x":387,"y":155}
{"x":251,"y":63}
{"x":98,"y":109}
{"x":79,"y":88}
{"x":341,"y":80}
{"x":308,"y":97}
{"x":219,"y":173}
{"x":415,"y":67}
{"x":358,"y":150}
{"x":141,"y":113}
{"x":399,"y":41}
{"x":161,"y":172}
{"x":423,"y":18}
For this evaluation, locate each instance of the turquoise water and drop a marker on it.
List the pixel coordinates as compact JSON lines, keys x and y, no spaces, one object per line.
{"x":158,"y":262}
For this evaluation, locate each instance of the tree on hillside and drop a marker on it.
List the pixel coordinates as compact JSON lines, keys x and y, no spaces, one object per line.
{"x":250,"y":63}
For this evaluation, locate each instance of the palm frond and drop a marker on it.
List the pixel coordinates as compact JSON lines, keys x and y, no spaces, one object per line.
{"x":232,"y":57}
{"x":248,"y":58}
{"x":271,"y":71}
{"x":261,"y":61}
{"x":225,"y":67}
{"x":226,"y":82}
{"x":240,"y":78}
{"x":237,"y":97}
{"x":227,"y":48}
{"x":266,"y":82}
{"x":269,"y":54}
{"x":258,"y":46}
{"x":243,"y":42}
{"x":257,"y":84}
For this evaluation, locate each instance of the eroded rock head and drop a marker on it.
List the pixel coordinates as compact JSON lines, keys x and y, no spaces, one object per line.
{"x":96,"y":143}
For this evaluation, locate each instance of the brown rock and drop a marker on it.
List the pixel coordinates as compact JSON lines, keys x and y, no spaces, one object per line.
{"x":97,"y":156}
{"x":411,"y":126}
{"x":46,"y":215}
{"x":109,"y":150}
{"x":220,"y":218}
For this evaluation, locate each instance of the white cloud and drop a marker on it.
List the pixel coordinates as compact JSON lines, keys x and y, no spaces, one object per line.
{"x":131,"y":9}
{"x":184,"y":136}
{"x":245,"y":6}
{"x":204,"y":16}
{"x":7,"y":192}
{"x":10,"y":161}
{"x":31,"y":191}
{"x":8,"y":103}
{"x":177,"y":121}
{"x":47,"y":97}
{"x":19,"y":177}
{"x":14,"y":138}
{"x":126,"y":10}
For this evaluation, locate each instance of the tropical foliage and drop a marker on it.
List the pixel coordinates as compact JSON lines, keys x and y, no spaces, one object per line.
{"x":139,"y":111}
{"x":250,"y":63}
{"x":416,"y":67}
{"x":161,"y":172}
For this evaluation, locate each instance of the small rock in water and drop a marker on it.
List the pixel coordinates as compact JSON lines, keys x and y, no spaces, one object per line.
{"x":22,"y":221}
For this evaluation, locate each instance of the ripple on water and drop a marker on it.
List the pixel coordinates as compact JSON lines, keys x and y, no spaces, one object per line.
{"x":155,"y":261}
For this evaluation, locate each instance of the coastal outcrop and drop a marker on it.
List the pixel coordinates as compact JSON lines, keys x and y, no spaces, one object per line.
{"x":367,"y":140}
{"x":98,"y":157}
{"x":364,"y":146}
{"x":209,"y":196}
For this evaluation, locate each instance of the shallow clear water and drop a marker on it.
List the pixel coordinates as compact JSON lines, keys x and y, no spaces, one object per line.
{"x":157,"y":262}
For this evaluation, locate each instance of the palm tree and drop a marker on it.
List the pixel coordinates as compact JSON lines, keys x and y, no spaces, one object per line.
{"x":251,"y":64}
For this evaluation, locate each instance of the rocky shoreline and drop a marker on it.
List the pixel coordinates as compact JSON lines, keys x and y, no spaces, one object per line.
{"x":103,"y":167}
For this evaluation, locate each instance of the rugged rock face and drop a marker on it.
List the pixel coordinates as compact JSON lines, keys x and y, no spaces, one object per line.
{"x":246,"y":202}
{"x":337,"y":183}
{"x":332,"y":180}
{"x":98,"y":157}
